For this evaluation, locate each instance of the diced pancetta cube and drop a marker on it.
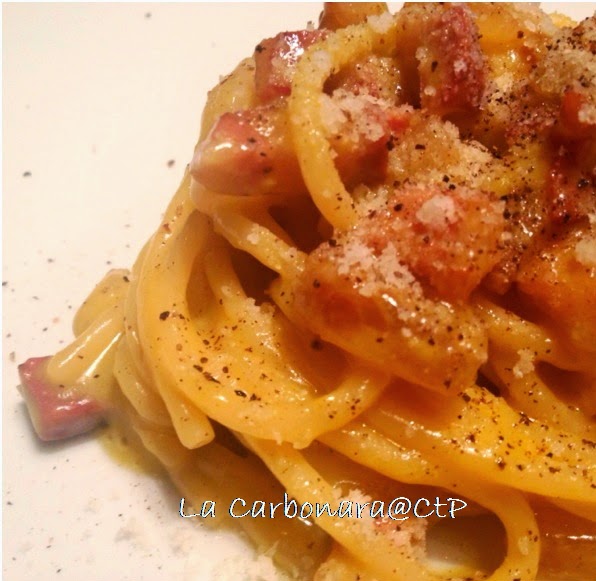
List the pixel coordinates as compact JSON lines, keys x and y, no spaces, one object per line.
{"x":449,"y":238}
{"x":57,"y":411}
{"x":250,"y":152}
{"x":275,"y":61}
{"x":452,"y":66}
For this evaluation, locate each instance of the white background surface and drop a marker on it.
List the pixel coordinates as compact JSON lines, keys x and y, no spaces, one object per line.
{"x":97,"y":98}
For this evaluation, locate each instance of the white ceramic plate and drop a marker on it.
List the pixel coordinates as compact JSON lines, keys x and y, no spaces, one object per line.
{"x":101,"y":109}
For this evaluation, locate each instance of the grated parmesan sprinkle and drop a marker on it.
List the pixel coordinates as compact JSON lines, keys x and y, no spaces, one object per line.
{"x":322,"y":61}
{"x":437,"y":211}
{"x":381,"y":23}
{"x":585,"y":252}
{"x":525,"y":363}
{"x":460,"y":66}
{"x":254,"y":236}
{"x":377,"y":272}
{"x":332,"y":115}
{"x":587,"y":114}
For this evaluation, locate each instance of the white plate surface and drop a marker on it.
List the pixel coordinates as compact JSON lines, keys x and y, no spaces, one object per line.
{"x":98,"y":100}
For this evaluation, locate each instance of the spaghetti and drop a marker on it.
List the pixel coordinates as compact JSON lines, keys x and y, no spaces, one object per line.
{"x":376,"y":281}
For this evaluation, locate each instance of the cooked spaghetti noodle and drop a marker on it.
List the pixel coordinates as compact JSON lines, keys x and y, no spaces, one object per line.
{"x":376,"y":281}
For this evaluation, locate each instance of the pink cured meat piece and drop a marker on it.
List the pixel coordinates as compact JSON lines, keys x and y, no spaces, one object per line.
{"x":56,"y":412}
{"x":275,"y":61}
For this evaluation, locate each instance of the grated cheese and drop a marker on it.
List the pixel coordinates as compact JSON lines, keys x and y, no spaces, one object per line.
{"x":381,"y":23}
{"x":585,"y":251}
{"x":460,"y":66}
{"x":375,"y":272}
{"x":437,"y":211}
{"x":261,"y":568}
{"x":332,"y":116}
{"x":322,"y":61}
{"x":254,"y":236}
{"x":525,"y":363}
{"x":587,"y":114}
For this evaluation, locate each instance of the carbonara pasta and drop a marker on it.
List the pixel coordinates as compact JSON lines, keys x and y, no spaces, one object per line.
{"x":376,"y":285}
